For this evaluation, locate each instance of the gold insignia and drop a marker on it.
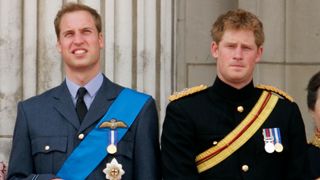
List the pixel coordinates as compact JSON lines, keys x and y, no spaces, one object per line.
{"x":113,"y":124}
{"x":275,"y":90}
{"x":186,"y":92}
{"x":315,"y":141}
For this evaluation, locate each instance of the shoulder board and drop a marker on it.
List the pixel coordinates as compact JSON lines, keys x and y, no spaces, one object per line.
{"x":186,"y":92}
{"x":275,"y":90}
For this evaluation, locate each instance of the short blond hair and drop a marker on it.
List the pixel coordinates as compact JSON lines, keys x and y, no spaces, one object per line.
{"x":238,"y":19}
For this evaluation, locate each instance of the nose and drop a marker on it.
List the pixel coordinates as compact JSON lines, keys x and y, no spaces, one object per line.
{"x":238,"y":54}
{"x":78,"y":39}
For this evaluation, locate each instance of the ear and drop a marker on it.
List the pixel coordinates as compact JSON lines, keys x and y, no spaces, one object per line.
{"x":259,"y":53}
{"x":101,"y":40}
{"x":214,"y":49}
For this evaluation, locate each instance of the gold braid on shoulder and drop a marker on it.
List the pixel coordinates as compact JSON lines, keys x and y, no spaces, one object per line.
{"x":186,"y":92}
{"x":315,"y":141}
{"x":275,"y":90}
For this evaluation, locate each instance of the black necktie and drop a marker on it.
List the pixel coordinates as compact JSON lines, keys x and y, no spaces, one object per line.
{"x":81,"y":107}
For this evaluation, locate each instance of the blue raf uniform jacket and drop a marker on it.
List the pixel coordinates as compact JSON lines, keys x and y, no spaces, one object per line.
{"x":47,"y":131}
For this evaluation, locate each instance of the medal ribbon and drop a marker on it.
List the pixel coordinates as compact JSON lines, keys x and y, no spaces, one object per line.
{"x":277,"y":135}
{"x":92,"y":150}
{"x":268,"y":135}
{"x":113,"y":137}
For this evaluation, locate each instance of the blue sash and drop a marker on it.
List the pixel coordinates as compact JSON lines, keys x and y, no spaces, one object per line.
{"x":92,"y":150}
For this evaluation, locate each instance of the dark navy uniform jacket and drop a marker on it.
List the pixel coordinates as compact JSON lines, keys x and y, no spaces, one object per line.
{"x":194,"y":123}
{"x":47,"y":131}
{"x":314,"y":161}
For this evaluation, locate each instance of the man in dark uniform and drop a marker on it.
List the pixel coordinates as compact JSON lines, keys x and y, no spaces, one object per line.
{"x":313,"y":102}
{"x":234,"y":130}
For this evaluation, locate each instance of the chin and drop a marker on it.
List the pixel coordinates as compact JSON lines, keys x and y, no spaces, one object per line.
{"x":237,"y":77}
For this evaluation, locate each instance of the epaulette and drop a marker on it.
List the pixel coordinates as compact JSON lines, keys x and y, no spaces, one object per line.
{"x":275,"y":90}
{"x":315,"y":141}
{"x":186,"y":92}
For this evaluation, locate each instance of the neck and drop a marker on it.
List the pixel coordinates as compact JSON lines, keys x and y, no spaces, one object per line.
{"x":81,"y":78}
{"x":235,"y":84}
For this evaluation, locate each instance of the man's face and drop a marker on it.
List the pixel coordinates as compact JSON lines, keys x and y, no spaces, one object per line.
{"x":236,"y":56}
{"x":316,"y":112}
{"x":79,"y":42}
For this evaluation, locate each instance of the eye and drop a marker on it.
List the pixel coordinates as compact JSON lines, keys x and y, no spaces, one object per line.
{"x":68,"y":34}
{"x":246,"y":48}
{"x":231,"y":45}
{"x":87,"y":31}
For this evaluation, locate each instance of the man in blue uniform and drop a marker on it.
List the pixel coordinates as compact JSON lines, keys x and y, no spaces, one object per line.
{"x":88,"y":127}
{"x":233,"y":130}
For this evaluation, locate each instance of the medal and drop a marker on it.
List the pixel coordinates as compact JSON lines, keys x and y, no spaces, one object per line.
{"x":113,"y":170}
{"x":111,"y":149}
{"x":268,"y":140}
{"x":272,"y":140}
{"x":112,"y":125}
{"x":278,"y":146}
{"x":269,"y":147}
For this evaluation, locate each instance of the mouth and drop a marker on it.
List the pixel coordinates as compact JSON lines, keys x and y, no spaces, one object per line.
{"x":79,"y":51}
{"x":237,"y":66}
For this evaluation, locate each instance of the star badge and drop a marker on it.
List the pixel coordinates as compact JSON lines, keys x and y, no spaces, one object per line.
{"x":113,"y":170}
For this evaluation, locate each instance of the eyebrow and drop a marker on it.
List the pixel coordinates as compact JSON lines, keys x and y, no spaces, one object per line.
{"x":72,"y":30}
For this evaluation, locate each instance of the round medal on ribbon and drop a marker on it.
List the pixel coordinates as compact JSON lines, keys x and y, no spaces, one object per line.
{"x":111,"y":149}
{"x":278,"y":147}
{"x":269,"y":147}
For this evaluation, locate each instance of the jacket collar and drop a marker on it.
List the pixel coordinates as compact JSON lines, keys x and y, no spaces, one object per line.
{"x":232,"y":94}
{"x":104,"y":98}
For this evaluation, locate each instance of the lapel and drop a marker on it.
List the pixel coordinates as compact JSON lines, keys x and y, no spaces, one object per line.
{"x":64,"y":105}
{"x":101,"y":103}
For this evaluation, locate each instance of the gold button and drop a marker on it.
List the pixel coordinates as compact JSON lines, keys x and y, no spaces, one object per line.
{"x":47,"y":147}
{"x":240,"y":109}
{"x":215,"y":143}
{"x":245,"y":168}
{"x":81,"y":136}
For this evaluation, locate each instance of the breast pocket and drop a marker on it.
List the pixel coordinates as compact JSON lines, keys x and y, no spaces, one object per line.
{"x":48,"y":153}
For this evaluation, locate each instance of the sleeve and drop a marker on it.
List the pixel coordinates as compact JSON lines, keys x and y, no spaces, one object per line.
{"x":147,"y":146}
{"x":297,"y":145}
{"x":21,"y":162}
{"x":178,"y":145}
